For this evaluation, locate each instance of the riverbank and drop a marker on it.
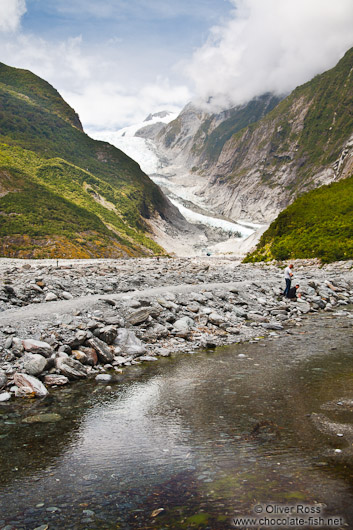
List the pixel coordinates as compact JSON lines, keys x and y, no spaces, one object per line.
{"x":68,"y":320}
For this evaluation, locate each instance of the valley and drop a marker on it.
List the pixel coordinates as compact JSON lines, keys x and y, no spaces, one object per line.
{"x":209,"y":232}
{"x":167,"y":169}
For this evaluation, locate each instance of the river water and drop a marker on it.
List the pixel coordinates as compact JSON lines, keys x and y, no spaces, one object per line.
{"x":189,"y":442}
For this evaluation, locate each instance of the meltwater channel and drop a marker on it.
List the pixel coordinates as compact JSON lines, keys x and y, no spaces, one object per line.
{"x":192,"y":441}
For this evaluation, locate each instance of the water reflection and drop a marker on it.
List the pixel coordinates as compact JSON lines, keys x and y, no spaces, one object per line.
{"x":201,"y":436}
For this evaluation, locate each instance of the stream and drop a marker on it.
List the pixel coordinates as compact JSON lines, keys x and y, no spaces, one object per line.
{"x":190,"y":441}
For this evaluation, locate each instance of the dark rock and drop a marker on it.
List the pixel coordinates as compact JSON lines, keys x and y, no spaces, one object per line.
{"x":91,"y":355}
{"x":108,"y":334}
{"x":80,"y":356}
{"x":103,"y":351}
{"x":70,"y":367}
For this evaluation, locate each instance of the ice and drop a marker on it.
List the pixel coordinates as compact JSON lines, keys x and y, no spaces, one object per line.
{"x":145,"y":153}
{"x":226,"y":226}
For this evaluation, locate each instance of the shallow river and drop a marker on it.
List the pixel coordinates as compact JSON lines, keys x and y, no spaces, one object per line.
{"x":205,"y":437}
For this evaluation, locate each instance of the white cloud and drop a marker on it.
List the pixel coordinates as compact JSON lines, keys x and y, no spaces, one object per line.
{"x":11,"y":12}
{"x":95,"y":83}
{"x":266,"y":45}
{"x":107,"y":105}
{"x":270,"y":45}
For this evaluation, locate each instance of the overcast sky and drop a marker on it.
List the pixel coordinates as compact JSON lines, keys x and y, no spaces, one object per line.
{"x":115,"y":61}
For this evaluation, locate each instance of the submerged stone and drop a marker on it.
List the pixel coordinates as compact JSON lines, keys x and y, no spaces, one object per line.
{"x":43,"y":418}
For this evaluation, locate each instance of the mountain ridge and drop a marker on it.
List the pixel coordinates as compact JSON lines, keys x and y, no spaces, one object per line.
{"x":301,"y":143}
{"x":44,"y":152}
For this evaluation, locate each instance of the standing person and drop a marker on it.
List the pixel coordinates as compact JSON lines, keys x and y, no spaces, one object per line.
{"x":288,"y":278}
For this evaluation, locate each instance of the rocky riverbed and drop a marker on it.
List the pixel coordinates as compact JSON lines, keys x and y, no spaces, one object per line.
{"x":68,"y":320}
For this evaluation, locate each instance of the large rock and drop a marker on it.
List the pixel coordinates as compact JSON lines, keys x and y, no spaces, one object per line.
{"x":139,"y":316}
{"x":216,"y":319}
{"x":3,"y":379}
{"x":50,"y":297}
{"x":79,"y":338}
{"x":37,"y":346}
{"x":29,"y":385}
{"x":33,"y":363}
{"x":55,"y":380}
{"x":70,"y":367}
{"x":129,"y":344}
{"x":103,"y":351}
{"x":80,"y":356}
{"x":184,"y":324}
{"x":108,"y":334}
{"x":91,"y":355}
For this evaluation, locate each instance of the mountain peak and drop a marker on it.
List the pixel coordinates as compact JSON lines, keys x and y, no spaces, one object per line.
{"x":38,"y":92}
{"x":162,"y":114}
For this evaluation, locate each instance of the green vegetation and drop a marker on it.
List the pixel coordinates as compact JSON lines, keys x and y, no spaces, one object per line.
{"x":32,"y":89}
{"x":240,"y":117}
{"x":330,"y":116}
{"x":56,"y":181}
{"x":307,"y":129}
{"x":317,"y":224}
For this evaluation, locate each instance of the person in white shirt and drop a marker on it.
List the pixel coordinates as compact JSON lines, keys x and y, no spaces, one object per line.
{"x":288,"y":278}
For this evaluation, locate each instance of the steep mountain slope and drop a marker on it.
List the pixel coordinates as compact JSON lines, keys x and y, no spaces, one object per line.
{"x":303,"y":143}
{"x":196,"y":137}
{"x":254,"y":171}
{"x":317,"y":224}
{"x":63,"y":194}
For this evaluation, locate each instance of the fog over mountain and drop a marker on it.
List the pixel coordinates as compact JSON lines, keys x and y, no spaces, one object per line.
{"x":269,"y":46}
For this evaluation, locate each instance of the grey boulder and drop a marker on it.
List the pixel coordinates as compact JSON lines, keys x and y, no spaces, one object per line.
{"x":129,"y":344}
{"x":33,"y":363}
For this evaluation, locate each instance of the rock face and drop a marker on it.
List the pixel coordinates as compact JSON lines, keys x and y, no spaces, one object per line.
{"x":254,"y":172}
{"x":92,"y":235}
